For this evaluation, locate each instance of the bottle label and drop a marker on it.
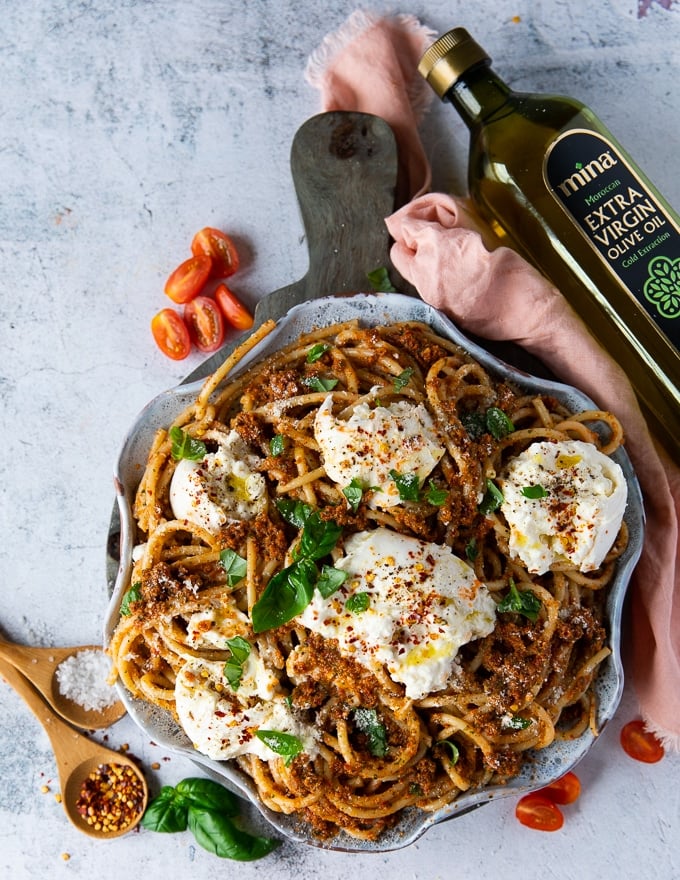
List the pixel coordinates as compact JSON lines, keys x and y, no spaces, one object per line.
{"x":632,"y":233}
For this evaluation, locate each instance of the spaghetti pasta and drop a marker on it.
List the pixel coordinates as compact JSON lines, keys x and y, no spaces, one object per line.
{"x":516,"y":687}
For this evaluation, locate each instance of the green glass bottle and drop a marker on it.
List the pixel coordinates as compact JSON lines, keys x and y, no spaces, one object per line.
{"x":555,"y":185}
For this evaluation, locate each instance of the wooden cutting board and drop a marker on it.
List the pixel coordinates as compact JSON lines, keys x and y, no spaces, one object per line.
{"x":344,"y":168}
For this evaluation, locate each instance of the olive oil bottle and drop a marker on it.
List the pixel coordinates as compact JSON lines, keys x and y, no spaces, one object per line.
{"x":555,"y":185}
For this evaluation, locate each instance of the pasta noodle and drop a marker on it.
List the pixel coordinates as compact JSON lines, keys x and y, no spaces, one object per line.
{"x":517,"y":689}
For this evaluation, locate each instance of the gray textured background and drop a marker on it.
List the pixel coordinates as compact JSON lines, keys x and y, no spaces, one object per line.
{"x":124,"y":128}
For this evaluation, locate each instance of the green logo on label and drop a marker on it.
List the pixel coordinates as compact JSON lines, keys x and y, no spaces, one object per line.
{"x":662,"y":287}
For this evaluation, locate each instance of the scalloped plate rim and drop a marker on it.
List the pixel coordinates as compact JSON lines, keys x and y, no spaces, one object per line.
{"x":386,"y":307}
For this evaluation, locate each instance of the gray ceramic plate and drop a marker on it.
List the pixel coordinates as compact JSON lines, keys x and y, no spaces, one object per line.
{"x":372,"y":309}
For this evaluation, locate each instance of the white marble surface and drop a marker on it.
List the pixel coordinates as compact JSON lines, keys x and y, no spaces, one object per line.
{"x":125,"y":127}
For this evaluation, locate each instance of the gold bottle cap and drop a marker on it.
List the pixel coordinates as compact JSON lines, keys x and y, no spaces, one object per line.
{"x":448,"y":58}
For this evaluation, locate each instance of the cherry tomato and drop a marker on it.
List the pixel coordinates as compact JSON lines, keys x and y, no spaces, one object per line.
{"x":205,"y":323}
{"x":640,"y":743}
{"x":220,"y":248}
{"x":171,"y":334}
{"x":538,"y":812}
{"x":189,"y":278}
{"x":233,"y":309}
{"x":564,"y":790}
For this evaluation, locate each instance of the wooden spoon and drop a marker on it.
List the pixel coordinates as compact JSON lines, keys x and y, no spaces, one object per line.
{"x":40,"y":665}
{"x":77,"y":757}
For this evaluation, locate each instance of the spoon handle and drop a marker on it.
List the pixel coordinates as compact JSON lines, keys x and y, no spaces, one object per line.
{"x":62,"y":736}
{"x":17,"y":656}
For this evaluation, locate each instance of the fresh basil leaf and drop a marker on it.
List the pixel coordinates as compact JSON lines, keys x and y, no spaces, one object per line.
{"x":233,"y":668}
{"x":205,"y":807}
{"x":534,"y":492}
{"x":134,"y":594}
{"x":285,"y":744}
{"x":524,"y":602}
{"x":233,"y":672}
{"x":185,"y":446}
{"x":402,"y":380}
{"x":516,"y":722}
{"x":452,"y":748}
{"x":471,"y":550}
{"x":317,"y":351}
{"x":368,"y":722}
{"x":407,"y":484}
{"x":277,"y":445}
{"x":167,"y":813}
{"x":437,"y":497}
{"x":497,"y":423}
{"x":318,"y":538}
{"x":318,"y":383}
{"x":492,"y":500}
{"x":217,"y":834}
{"x":357,"y":603}
{"x":199,"y":791}
{"x":303,"y":577}
{"x":234,"y":565}
{"x":354,"y":493}
{"x":380,"y":280}
{"x":294,"y":512}
{"x":474,"y":423}
{"x":286,"y":595}
{"x":494,"y":421}
{"x":330,"y":580}
{"x":240,"y":648}
{"x":290,"y":591}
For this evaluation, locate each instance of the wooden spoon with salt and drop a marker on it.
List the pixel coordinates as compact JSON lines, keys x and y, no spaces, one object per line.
{"x":40,"y":665}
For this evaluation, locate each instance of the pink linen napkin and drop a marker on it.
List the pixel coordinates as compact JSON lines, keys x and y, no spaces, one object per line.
{"x":385,"y":83}
{"x":370,"y":65}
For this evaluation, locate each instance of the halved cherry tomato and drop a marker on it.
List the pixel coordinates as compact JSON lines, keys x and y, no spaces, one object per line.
{"x":220,"y":248}
{"x":171,"y":334}
{"x":641,"y":744}
{"x":189,"y":278}
{"x":564,"y":790}
{"x":233,"y":309}
{"x":205,"y":323}
{"x":538,"y":812}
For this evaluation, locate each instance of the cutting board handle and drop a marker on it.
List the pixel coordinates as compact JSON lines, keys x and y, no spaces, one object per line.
{"x":344,"y":166}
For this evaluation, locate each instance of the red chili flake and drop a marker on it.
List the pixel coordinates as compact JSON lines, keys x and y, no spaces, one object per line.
{"x":111,"y":797}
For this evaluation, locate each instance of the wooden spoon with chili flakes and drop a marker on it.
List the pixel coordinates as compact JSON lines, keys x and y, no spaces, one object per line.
{"x":103,"y":792}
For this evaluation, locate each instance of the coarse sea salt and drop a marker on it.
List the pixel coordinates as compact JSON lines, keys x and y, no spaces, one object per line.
{"x":83,"y":678}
